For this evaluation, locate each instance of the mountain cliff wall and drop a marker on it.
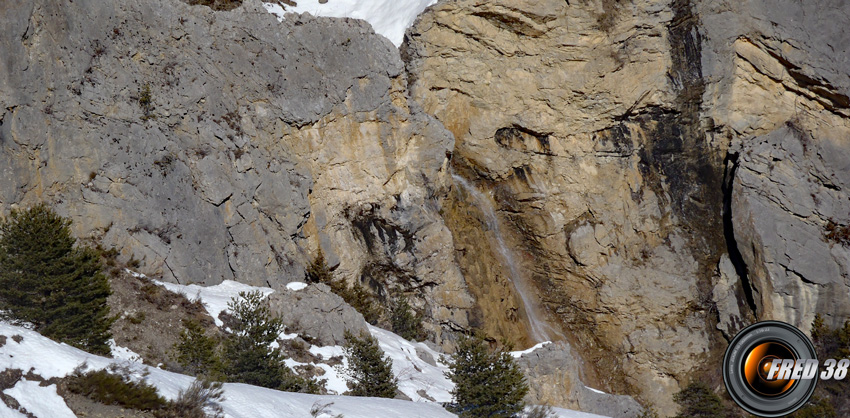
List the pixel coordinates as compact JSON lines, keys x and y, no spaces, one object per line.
{"x":669,"y":170}
{"x":654,"y":174}
{"x":218,"y":146}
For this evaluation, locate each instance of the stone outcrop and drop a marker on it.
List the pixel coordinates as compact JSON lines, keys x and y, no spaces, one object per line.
{"x":780,"y":91}
{"x":317,"y":315}
{"x":664,"y":172}
{"x":228,"y":145}
{"x":791,"y":212}
{"x":554,"y":378}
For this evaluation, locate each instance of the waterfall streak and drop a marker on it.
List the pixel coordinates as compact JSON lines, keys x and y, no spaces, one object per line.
{"x":540,"y":330}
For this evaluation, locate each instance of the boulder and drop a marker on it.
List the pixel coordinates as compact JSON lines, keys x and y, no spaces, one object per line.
{"x":553,"y":373}
{"x":317,"y":315}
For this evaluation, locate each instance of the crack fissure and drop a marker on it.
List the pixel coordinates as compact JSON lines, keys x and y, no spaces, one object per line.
{"x":735,"y":256}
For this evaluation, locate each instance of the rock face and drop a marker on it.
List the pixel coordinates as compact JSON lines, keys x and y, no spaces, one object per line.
{"x":228,"y":145}
{"x":554,"y":376}
{"x":317,"y":314}
{"x":781,"y":90}
{"x":623,"y":144}
{"x":583,"y":121}
{"x":791,"y":213}
{"x":661,"y":172}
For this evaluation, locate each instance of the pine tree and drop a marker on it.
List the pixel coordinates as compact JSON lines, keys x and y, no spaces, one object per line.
{"x":361,"y":300}
{"x":699,"y":401}
{"x":248,"y":353}
{"x":406,"y":322}
{"x":486,"y":384}
{"x":196,"y":350}
{"x":318,"y":271}
{"x":369,"y":373}
{"x":48,"y":282}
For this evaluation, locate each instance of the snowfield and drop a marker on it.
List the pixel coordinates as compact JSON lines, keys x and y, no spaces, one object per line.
{"x":47,"y":359}
{"x":387,"y":17}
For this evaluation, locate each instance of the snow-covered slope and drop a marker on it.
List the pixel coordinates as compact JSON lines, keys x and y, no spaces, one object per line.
{"x":415,"y":374}
{"x":216,"y":297}
{"x":47,"y":359}
{"x":29,"y":351}
{"x":419,"y":370}
{"x":388,"y":17}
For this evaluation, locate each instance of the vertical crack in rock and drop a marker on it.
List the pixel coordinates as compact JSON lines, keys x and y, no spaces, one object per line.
{"x":731,"y":164}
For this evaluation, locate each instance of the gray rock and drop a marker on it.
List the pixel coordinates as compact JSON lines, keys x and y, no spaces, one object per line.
{"x":789,"y":186}
{"x":554,"y":378}
{"x":317,"y":314}
{"x":728,"y":297}
{"x":254,"y":126}
{"x":425,"y":356}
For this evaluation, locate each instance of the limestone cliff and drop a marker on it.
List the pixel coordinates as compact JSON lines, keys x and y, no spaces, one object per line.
{"x":654,"y":174}
{"x":228,"y":145}
{"x":623,"y":145}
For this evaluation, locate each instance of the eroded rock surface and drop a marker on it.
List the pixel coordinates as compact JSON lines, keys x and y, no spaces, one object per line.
{"x":228,"y":145}
{"x":554,"y":376}
{"x":663,"y":172}
{"x":583,"y":121}
{"x":608,"y":133}
{"x":317,"y":314}
{"x":791,"y":213}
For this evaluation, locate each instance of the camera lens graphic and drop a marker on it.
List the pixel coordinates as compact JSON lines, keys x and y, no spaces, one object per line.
{"x":757,"y":367}
{"x":749,"y":359}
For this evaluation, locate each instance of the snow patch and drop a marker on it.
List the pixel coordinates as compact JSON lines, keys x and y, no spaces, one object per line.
{"x":518,"y":354}
{"x":413,"y":373}
{"x":6,"y":412}
{"x":327,"y":352}
{"x":215,"y":298}
{"x":123,"y":353}
{"x":387,"y":17}
{"x":595,"y":390}
{"x":41,"y":401}
{"x":51,"y":359}
{"x":569,"y":413}
{"x":296,"y":286}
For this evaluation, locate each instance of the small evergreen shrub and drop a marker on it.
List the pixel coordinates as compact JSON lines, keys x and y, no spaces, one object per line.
{"x":196,"y":351}
{"x":115,"y":387}
{"x":368,"y":373}
{"x":487,"y":384}
{"x":405,"y":321}
{"x":47,"y":281}
{"x":200,"y":400}
{"x":318,"y":270}
{"x":697,"y":400}
{"x":360,"y":299}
